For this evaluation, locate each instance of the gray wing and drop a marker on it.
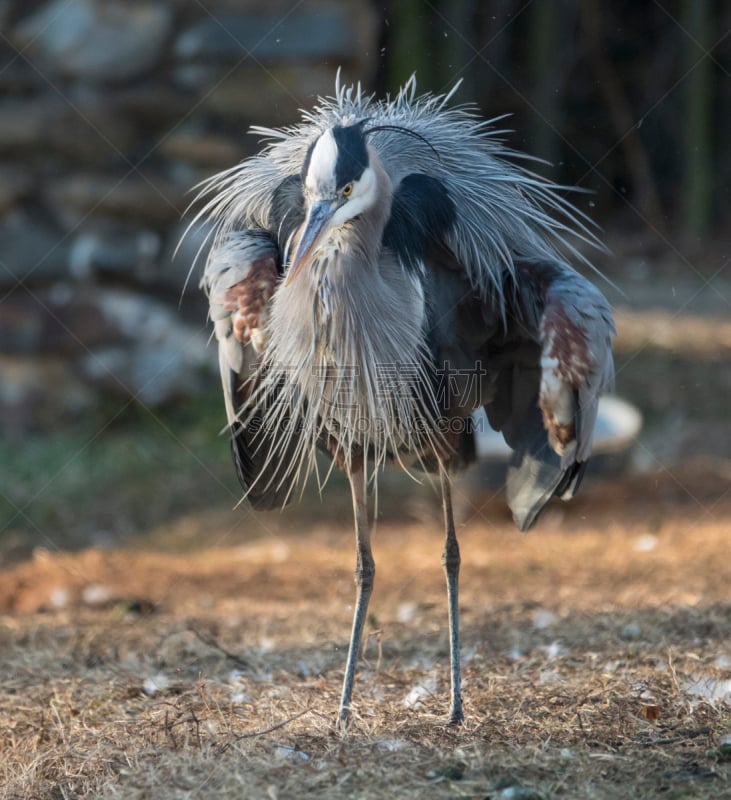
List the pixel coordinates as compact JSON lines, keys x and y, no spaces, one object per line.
{"x":543,"y":337}
{"x":240,"y":276}
{"x":551,"y":368}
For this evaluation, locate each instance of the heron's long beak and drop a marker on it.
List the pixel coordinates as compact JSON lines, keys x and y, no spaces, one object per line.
{"x":317,"y":219}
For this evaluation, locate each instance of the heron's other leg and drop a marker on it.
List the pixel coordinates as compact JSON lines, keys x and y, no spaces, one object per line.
{"x":365,"y":570}
{"x":451,"y":562}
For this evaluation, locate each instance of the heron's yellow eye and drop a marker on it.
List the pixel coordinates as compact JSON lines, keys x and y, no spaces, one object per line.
{"x":347,"y":190}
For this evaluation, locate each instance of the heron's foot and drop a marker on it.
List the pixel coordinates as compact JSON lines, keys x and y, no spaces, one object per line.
{"x":341,"y":723}
{"x":456,"y":716}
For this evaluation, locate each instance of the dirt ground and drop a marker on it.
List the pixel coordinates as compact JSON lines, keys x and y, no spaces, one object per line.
{"x":597,"y":655}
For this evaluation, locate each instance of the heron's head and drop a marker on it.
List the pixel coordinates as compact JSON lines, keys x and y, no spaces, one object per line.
{"x":340,"y":182}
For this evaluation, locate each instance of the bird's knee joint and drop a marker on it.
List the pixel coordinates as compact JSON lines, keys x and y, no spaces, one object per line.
{"x":450,"y":557}
{"x":365,"y":574}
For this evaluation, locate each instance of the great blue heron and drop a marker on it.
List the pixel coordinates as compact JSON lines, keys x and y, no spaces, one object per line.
{"x":378,"y":272}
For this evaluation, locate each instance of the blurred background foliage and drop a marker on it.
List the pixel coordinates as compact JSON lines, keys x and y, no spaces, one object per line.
{"x":111,"y":110}
{"x":631,"y":99}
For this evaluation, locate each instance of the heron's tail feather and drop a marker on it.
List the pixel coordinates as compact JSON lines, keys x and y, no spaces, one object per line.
{"x":534,"y":476}
{"x":536,"y":472}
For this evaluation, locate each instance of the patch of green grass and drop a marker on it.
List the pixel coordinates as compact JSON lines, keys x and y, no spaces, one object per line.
{"x":115,"y":474}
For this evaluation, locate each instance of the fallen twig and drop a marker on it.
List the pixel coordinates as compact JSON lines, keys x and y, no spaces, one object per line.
{"x":276,"y":727}
{"x":209,"y":641}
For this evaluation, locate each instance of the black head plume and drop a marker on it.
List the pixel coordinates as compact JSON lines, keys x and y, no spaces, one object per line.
{"x":352,"y":152}
{"x":352,"y":155}
{"x":404,"y":131}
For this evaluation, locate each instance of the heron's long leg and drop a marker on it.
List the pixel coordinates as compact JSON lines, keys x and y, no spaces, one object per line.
{"x":365,"y":570}
{"x":451,"y":562}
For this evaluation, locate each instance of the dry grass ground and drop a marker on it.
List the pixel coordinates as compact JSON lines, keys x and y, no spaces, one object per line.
{"x":597,"y":657}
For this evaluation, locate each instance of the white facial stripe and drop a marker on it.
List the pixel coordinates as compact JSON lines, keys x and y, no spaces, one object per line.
{"x":320,"y":176}
{"x":363,"y":197}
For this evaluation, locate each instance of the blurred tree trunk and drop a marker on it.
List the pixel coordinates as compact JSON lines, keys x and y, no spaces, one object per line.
{"x":459,"y":46}
{"x":698,"y":180}
{"x":622,"y":118}
{"x":544,"y":62}
{"x":409,"y":45}
{"x":494,"y":40}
